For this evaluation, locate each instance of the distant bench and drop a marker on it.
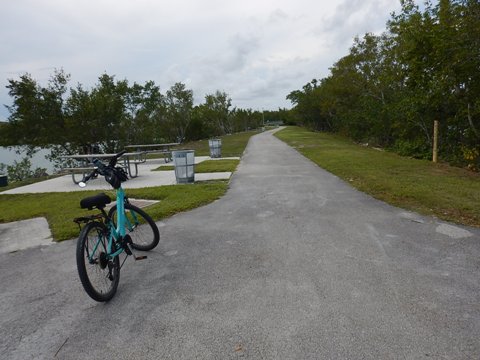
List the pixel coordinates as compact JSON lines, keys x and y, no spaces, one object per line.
{"x":161,"y":149}
{"x":85,"y":166}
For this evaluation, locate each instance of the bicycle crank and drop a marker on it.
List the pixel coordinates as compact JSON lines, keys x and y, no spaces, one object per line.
{"x":126,"y":243}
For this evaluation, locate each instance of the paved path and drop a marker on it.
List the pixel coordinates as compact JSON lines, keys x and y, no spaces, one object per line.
{"x":291,"y":264}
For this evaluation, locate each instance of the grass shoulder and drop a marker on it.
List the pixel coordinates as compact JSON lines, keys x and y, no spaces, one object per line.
{"x":450,"y":193}
{"x":61,"y":208}
{"x":232,"y":145}
{"x":208,"y":166}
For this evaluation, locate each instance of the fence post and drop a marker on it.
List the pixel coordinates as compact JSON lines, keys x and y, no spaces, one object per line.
{"x":435,"y":141}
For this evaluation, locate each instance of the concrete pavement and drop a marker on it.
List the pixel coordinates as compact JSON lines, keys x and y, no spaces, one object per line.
{"x":292,"y":263}
{"x":146,"y":178}
{"x":20,"y":235}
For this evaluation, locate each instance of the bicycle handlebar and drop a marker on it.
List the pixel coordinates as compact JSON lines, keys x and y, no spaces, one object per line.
{"x":101,"y":168}
{"x":113,"y":160}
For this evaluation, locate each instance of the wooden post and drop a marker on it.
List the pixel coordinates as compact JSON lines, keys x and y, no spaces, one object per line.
{"x":435,"y":141}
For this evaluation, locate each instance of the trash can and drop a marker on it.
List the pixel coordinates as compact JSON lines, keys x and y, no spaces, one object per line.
{"x":3,"y":180}
{"x":215,"y":148}
{"x":184,"y":162}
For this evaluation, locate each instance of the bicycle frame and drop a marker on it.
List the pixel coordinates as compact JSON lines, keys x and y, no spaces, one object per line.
{"x":108,"y":234}
{"x":116,"y":232}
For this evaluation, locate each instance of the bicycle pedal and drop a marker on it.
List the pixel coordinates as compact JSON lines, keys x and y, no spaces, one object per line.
{"x":126,"y":244}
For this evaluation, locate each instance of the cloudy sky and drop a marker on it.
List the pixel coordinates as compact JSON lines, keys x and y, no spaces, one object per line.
{"x":257,"y":51}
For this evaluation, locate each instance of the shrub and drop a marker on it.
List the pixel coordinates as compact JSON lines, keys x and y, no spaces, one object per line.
{"x":22,"y":170}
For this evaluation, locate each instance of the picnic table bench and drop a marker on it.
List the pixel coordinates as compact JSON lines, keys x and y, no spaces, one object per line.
{"x":84,"y":164}
{"x":162,"y":149}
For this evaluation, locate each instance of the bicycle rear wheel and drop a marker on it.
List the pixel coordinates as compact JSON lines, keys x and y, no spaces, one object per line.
{"x":98,"y":274}
{"x":140,"y":226}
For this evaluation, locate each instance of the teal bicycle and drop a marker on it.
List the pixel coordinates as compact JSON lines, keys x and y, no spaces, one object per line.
{"x":105,"y":236}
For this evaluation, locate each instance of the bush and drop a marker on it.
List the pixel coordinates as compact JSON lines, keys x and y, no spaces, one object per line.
{"x":22,"y":170}
{"x":472,"y":157}
{"x":417,"y":149}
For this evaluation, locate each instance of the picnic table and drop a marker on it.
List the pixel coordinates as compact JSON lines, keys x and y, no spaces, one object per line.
{"x":84,"y":163}
{"x":164,"y":149}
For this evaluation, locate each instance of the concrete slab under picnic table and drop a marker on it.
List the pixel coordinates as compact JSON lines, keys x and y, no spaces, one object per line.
{"x":146,"y":178}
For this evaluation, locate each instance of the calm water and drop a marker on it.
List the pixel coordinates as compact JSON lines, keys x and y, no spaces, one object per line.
{"x":9,"y":156}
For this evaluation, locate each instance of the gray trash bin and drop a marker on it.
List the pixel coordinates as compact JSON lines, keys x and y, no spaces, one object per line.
{"x":215,"y":148}
{"x":3,"y":180}
{"x":184,"y":162}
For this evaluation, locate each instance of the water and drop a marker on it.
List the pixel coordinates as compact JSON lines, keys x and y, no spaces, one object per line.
{"x":9,"y":156}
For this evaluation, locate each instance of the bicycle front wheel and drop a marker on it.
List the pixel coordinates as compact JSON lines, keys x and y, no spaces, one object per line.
{"x":139,"y":225}
{"x":99,"y":274}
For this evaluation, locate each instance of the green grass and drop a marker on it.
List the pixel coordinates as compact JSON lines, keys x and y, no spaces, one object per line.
{"x":208,"y":166}
{"x":60,"y":208}
{"x":450,"y":193}
{"x":232,"y":145}
{"x":165,"y":168}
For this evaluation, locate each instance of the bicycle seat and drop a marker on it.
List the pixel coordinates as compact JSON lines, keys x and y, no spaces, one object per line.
{"x":99,"y":201}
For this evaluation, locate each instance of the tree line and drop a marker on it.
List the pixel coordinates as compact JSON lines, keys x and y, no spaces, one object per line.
{"x":112,"y":114}
{"x":389,"y":88}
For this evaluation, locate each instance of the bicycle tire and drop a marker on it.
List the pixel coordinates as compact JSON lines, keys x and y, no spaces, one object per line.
{"x":99,"y":276}
{"x":84,"y":175}
{"x":141,"y":227}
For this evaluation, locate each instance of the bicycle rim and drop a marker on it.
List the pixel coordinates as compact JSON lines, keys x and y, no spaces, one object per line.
{"x":140,"y":226}
{"x":98,"y":274}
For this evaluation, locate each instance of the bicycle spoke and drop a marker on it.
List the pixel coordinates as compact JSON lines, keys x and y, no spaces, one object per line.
{"x":141,"y":228}
{"x":98,"y":273}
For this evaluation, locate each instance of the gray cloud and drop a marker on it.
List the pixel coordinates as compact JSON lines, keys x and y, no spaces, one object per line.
{"x":240,"y":49}
{"x":352,"y":18}
{"x":255,"y":51}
